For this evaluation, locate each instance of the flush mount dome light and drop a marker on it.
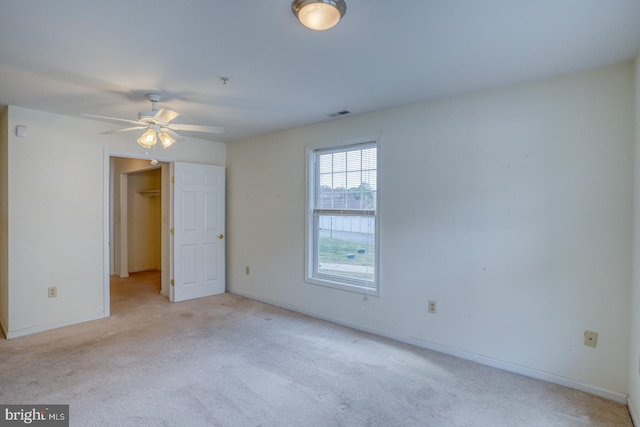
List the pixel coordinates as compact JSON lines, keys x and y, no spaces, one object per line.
{"x":319,"y":14}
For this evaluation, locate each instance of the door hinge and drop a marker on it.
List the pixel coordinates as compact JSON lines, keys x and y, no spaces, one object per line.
{"x":173,"y":179}
{"x":171,"y":231}
{"x":173,"y":283}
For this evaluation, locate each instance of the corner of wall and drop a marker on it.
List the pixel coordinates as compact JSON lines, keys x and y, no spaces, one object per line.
{"x":4,"y":219}
{"x":633,"y":400}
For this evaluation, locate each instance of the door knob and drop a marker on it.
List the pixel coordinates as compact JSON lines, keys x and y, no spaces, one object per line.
{"x":221,"y":236}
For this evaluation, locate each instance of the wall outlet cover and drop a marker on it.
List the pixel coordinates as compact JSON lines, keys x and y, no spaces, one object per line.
{"x":432,"y":307}
{"x":590,"y":338}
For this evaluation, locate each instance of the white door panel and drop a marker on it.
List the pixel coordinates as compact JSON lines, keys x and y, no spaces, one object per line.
{"x":198,"y":241}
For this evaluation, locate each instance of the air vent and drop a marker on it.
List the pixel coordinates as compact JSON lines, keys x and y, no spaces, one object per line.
{"x":340,"y":113}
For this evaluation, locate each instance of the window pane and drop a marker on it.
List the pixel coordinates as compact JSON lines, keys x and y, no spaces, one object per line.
{"x":369,"y":176}
{"x":339,"y":180}
{"x":354,"y":179}
{"x":369,"y":158}
{"x":325,"y":163}
{"x":326,"y":180}
{"x":346,"y":247}
{"x":354,"y":160}
{"x":339,"y":161}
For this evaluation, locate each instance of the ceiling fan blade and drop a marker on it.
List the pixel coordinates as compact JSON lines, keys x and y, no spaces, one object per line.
{"x":114,"y":119}
{"x":165,"y":116}
{"x":196,"y":128}
{"x":172,"y":133}
{"x":123,"y":130}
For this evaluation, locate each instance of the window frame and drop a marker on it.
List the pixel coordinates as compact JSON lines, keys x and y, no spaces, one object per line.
{"x":312,"y":228}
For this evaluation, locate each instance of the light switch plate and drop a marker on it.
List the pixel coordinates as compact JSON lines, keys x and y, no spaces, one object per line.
{"x":21,"y":131}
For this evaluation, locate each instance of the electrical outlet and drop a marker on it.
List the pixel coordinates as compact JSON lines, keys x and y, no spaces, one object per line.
{"x":590,"y":338}
{"x":247,"y":270}
{"x":432,"y":307}
{"x":53,"y":292}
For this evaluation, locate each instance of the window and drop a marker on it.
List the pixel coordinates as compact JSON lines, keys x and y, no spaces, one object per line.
{"x":341,"y":225}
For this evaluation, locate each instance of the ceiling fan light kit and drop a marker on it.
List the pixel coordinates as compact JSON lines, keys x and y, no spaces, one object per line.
{"x":148,"y":139}
{"x":157,"y":125}
{"x":165,"y":139}
{"x":319,"y":14}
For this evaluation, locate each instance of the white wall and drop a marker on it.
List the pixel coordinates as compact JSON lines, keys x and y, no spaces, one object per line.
{"x":634,"y":355}
{"x":119,"y":166}
{"x":57,"y":217}
{"x":144,"y":221}
{"x":511,"y":208}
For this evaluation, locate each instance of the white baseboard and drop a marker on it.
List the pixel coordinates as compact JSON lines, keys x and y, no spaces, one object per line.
{"x":49,"y":326}
{"x":462,"y":354}
{"x":634,"y":416}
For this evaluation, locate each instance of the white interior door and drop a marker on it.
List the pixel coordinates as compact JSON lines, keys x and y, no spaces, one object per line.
{"x":199,"y":227}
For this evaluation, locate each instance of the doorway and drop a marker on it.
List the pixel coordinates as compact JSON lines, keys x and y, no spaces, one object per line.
{"x":192,"y":255}
{"x":139,"y":217}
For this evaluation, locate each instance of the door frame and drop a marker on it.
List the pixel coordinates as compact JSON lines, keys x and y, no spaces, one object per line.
{"x":108,"y":221}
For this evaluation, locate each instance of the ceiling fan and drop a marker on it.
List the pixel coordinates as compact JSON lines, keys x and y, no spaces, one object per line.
{"x":157,"y":124}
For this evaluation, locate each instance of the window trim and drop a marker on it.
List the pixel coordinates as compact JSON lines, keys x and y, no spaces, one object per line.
{"x":311,"y":227}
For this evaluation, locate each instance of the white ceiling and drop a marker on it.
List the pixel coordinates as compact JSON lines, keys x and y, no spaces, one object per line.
{"x":101,"y":57}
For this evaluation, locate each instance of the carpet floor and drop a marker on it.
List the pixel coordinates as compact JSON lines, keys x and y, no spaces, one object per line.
{"x":231,"y":361}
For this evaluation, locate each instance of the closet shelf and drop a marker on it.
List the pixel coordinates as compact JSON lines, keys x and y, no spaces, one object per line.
{"x":150,"y":193}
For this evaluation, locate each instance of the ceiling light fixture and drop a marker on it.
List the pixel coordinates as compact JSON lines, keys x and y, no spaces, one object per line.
{"x":319,"y":14}
{"x":166,"y":139}
{"x":151,"y":136}
{"x":148,"y":139}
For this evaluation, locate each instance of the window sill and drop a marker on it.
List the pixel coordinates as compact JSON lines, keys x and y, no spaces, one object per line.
{"x":349,"y":287}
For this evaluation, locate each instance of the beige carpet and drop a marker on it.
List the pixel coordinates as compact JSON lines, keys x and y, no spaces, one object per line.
{"x":231,"y":361}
